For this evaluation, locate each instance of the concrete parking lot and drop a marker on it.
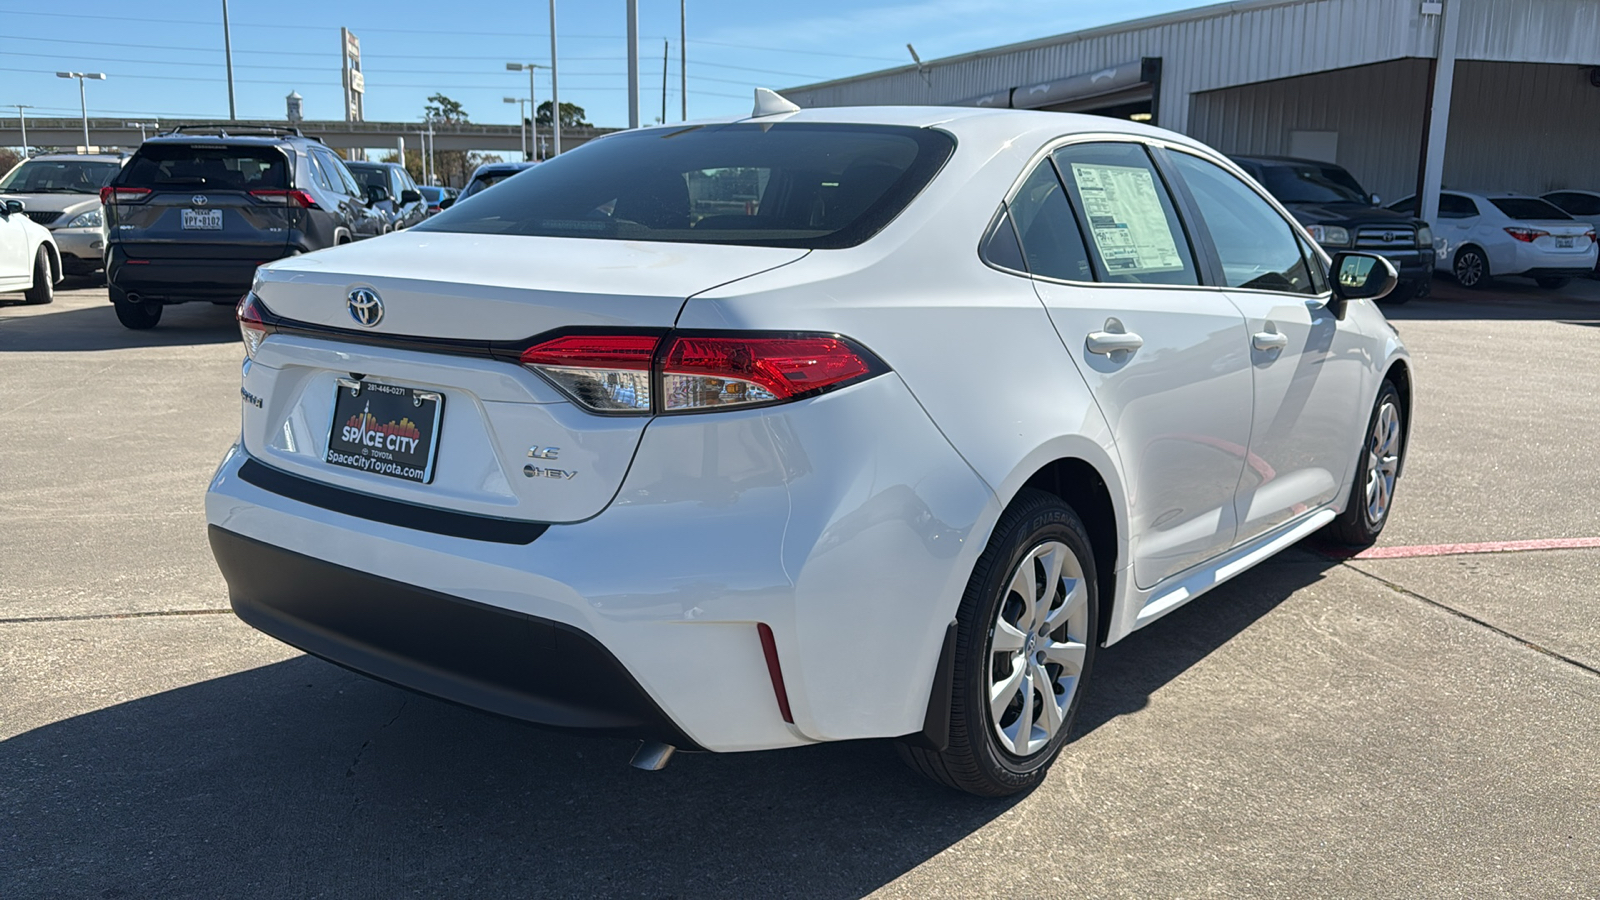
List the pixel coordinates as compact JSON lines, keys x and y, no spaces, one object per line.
{"x":1423,"y":722}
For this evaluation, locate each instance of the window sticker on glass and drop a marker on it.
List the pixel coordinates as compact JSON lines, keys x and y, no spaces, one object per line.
{"x":1125,"y":216}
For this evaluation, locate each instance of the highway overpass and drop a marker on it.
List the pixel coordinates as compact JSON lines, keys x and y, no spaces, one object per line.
{"x":110,"y":133}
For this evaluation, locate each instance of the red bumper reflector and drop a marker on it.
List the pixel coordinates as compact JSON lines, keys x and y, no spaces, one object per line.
{"x":769,"y":648}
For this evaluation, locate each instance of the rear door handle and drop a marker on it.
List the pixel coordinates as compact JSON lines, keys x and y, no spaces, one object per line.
{"x":1266,"y":341}
{"x":1109,"y":342}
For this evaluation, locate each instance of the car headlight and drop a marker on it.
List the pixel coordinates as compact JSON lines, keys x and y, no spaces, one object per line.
{"x":1329,"y":235}
{"x":1424,"y":237}
{"x":90,"y":219}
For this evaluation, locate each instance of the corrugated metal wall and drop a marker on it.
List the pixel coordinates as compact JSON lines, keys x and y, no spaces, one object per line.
{"x":1523,"y":127}
{"x":1546,"y":31}
{"x":1212,"y":47}
{"x":1378,"y":111}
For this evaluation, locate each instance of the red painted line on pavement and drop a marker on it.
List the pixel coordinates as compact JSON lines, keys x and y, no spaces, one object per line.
{"x":1486,"y":547}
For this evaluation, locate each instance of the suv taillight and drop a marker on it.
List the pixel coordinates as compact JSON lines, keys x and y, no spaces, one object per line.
{"x":110,"y":195}
{"x":286,"y":198}
{"x":697,"y":372}
{"x":253,"y":328}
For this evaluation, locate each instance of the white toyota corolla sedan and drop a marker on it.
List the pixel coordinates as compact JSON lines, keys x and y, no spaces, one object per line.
{"x":810,"y":426}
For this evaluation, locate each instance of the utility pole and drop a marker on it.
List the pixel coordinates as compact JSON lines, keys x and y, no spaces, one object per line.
{"x":665,"y":48}
{"x":227,"y":51}
{"x":23,"y":117}
{"x":555,"y":93}
{"x":523,"y":118}
{"x":633,"y":63}
{"x":683,"y":58}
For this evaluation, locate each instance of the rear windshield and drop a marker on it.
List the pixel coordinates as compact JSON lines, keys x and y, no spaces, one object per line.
{"x":487,"y":180}
{"x":1527,"y":208}
{"x":1311,"y":184}
{"x":806,"y":185}
{"x":212,"y":166}
{"x":370,"y":176}
{"x":58,"y":176}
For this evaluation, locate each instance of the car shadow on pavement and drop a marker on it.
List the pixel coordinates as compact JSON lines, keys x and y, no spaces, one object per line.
{"x":1510,"y":299}
{"x":301,"y":779}
{"x":46,"y":329}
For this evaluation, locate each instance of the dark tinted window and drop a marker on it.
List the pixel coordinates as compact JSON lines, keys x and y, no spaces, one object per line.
{"x":1051,"y":240}
{"x":370,"y":176}
{"x":772,"y":184}
{"x":485,"y":180}
{"x":1000,"y":247}
{"x":1133,"y":230}
{"x":1256,"y":247}
{"x":211,"y":166}
{"x":1527,"y":208}
{"x":1455,"y":206}
{"x":337,"y":173}
{"x":59,"y":176}
{"x":1310,"y":183}
{"x":1575,"y":204}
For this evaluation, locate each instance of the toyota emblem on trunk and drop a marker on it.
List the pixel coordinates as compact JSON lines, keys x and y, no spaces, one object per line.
{"x":365,"y":306}
{"x":199,"y":200}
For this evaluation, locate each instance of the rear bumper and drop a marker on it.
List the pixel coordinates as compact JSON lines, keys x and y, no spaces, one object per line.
{"x":178,"y":280}
{"x":505,"y":662}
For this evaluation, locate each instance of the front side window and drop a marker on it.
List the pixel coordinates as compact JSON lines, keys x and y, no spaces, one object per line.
{"x":1255,"y":245}
{"x":1134,"y":235}
{"x":783,"y":184}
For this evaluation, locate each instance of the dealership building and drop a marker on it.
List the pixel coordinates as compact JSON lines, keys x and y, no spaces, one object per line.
{"x":1492,"y":95}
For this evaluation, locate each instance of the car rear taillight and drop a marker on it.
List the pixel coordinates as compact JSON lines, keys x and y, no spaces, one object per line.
{"x":608,"y":373}
{"x":1527,"y":235}
{"x":1590,"y":235}
{"x":697,"y":372}
{"x":286,"y":198}
{"x":253,"y":328}
{"x":110,"y":195}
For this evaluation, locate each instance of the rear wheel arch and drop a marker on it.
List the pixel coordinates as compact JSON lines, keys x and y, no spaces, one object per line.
{"x":1081,"y":486}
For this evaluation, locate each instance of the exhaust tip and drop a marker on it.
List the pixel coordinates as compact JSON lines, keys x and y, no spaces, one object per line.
{"x":652,"y":756}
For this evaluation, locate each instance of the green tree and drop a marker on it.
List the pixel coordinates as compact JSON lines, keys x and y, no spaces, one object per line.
{"x":572,"y":115}
{"x":442,"y":109}
{"x":10,"y":157}
{"x":453,"y":167}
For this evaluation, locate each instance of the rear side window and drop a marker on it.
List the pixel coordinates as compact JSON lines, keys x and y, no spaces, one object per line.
{"x":1133,"y":230}
{"x":1000,"y":245}
{"x":337,"y":173}
{"x":776,"y":184}
{"x":1527,"y":208}
{"x":1051,"y":240}
{"x":210,"y":166}
{"x":1455,"y":206}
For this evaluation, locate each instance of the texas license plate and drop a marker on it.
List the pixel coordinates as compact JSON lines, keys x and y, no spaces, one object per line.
{"x":203,"y":219}
{"x":385,"y":429}
{"x":1564,"y":243}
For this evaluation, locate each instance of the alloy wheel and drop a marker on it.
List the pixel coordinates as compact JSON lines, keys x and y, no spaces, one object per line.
{"x":1469,"y":269}
{"x":1383,"y":461}
{"x":1037,"y":646}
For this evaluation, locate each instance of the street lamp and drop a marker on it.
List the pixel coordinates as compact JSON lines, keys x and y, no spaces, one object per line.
{"x":83,"y":101}
{"x":141,"y":126}
{"x":524,"y":119}
{"x":23,"y":118}
{"x":534,"y":128}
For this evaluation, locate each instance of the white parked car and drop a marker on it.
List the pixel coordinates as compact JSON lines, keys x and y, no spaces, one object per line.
{"x":1581,"y":205}
{"x":61,"y":191}
{"x":812,"y":426}
{"x":29,"y":260}
{"x":1484,"y":236}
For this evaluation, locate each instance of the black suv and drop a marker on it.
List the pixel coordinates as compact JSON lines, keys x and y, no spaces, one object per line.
{"x":391,"y":192}
{"x":1341,"y":215}
{"x":197,"y":209}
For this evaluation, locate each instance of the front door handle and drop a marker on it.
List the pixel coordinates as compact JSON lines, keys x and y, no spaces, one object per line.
{"x":1267,"y":341}
{"x":1109,"y":342}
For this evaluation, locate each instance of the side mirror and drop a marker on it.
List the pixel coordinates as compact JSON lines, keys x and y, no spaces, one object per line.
{"x":447,"y":202}
{"x":377,"y":193}
{"x":1376,"y":200}
{"x":1359,"y":276}
{"x":13,"y":206}
{"x":410,"y":197}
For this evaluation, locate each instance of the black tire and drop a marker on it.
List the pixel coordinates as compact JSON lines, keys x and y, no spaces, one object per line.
{"x":44,"y":280}
{"x":1355,"y":527}
{"x":1552,"y":282}
{"x":137,"y":315}
{"x":1471,"y":268}
{"x":975,"y":761}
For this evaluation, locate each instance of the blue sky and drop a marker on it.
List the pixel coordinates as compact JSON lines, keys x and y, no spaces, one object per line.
{"x":166,"y":59}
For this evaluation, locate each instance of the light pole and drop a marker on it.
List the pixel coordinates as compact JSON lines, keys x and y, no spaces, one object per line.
{"x":227,"y":51}
{"x":141,"y":126}
{"x":83,"y":101}
{"x":534,"y":128}
{"x":524,"y":119}
{"x":633,"y":63}
{"x":555,"y":92}
{"x":23,"y":118}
